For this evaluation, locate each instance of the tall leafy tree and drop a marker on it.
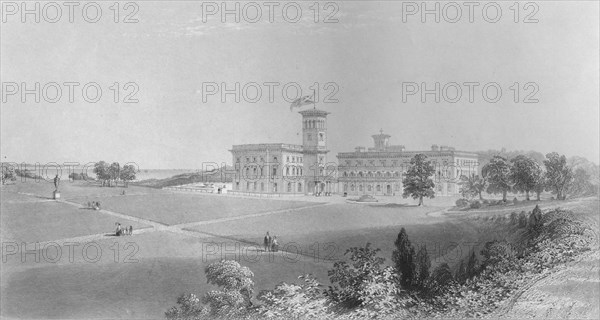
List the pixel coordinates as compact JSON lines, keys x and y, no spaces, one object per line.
{"x":422,"y":266}
{"x":403,"y":257}
{"x":114,"y":172}
{"x":581,"y":183}
{"x":472,"y":186}
{"x":524,"y":173}
{"x":472,"y":266}
{"x":101,"y":171}
{"x":417,"y":181}
{"x":127,"y":173}
{"x":497,"y":173}
{"x":559,"y":174}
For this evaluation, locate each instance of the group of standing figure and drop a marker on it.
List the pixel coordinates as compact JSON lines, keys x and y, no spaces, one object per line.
{"x":123,"y":231}
{"x":93,"y":205}
{"x":271,"y":243}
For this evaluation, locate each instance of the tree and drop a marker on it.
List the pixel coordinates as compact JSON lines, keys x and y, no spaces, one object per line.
{"x":472,"y":186}
{"x":232,"y":300}
{"x":237,"y":287}
{"x":558,"y":174}
{"x":540,"y":184}
{"x":422,"y":266}
{"x":441,"y":276}
{"x":101,"y":171}
{"x":417,"y":180}
{"x":8,"y":173}
{"x":127,"y":174}
{"x":472,"y":266}
{"x":361,"y":279}
{"x":114,"y":172}
{"x":524,"y":173}
{"x":461,"y":272}
{"x":497,"y":173}
{"x":581,"y":185}
{"x":403,"y":258}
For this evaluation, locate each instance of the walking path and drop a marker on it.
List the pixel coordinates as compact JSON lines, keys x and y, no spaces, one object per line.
{"x":158,"y":226}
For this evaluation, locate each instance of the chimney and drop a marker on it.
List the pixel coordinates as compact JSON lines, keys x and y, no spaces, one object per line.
{"x":435,"y":148}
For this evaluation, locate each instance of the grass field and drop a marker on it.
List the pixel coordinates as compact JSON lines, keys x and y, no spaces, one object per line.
{"x":35,"y":221}
{"x":163,"y":260}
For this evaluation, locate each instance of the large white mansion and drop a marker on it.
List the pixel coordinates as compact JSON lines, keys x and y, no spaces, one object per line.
{"x":279,"y":168}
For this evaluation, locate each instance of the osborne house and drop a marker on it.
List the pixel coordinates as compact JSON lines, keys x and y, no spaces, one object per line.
{"x":378,"y":170}
{"x":280,"y":168}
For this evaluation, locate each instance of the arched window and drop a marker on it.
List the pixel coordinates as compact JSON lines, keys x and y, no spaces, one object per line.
{"x":299,"y":186}
{"x":360,"y":174}
{"x":345,"y":187}
{"x":378,"y":188}
{"x":289,"y":187}
{"x":287,"y":171}
{"x":352,"y":187}
{"x":360,"y":187}
{"x":262,"y":186}
{"x":369,"y":188}
{"x":254,"y":186}
{"x":345,"y":174}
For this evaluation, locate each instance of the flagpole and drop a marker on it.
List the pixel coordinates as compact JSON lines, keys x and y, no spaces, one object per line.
{"x":314,"y":100}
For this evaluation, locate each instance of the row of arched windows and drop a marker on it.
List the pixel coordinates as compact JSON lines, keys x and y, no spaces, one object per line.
{"x":371,"y":174}
{"x":309,"y":124}
{"x":368,"y":188}
{"x":254,"y":186}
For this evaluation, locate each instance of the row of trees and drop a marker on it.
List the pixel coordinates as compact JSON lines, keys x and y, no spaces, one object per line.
{"x":523,"y":174}
{"x":109,"y":175}
{"x":520,"y":174}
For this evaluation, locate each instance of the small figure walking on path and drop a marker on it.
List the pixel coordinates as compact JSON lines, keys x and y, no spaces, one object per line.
{"x":267,"y":242}
{"x":274,"y":244}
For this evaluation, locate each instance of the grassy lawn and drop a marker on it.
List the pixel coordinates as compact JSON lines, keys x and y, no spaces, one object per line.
{"x":164,"y":264}
{"x":33,"y":221}
{"x":78,"y":191}
{"x":168,"y":265}
{"x":179,"y":208}
{"x":329,"y":230}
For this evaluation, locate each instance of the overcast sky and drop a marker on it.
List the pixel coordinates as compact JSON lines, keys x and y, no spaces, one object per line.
{"x":369,"y":53}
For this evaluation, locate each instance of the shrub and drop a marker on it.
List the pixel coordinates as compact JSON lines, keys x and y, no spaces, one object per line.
{"x":515,"y":200}
{"x":514,"y":217}
{"x":462,"y":203}
{"x":485,"y":201}
{"x":232,"y":300}
{"x":522,"y":219}
{"x":475,"y":204}
{"x":354,"y":282}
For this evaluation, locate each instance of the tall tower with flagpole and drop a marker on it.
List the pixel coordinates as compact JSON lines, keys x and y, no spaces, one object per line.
{"x":314,"y":143}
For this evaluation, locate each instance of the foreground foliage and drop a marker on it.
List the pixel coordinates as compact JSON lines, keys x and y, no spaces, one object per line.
{"x":363,"y":287}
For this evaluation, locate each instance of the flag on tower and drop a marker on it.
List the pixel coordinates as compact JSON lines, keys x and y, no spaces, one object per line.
{"x":302,"y":101}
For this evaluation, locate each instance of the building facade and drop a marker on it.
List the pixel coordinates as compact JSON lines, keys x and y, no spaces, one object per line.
{"x":279,"y":168}
{"x":379,"y":170}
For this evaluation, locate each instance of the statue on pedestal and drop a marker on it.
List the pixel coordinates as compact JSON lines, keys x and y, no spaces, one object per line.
{"x":56,"y":193}
{"x":56,"y":182}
